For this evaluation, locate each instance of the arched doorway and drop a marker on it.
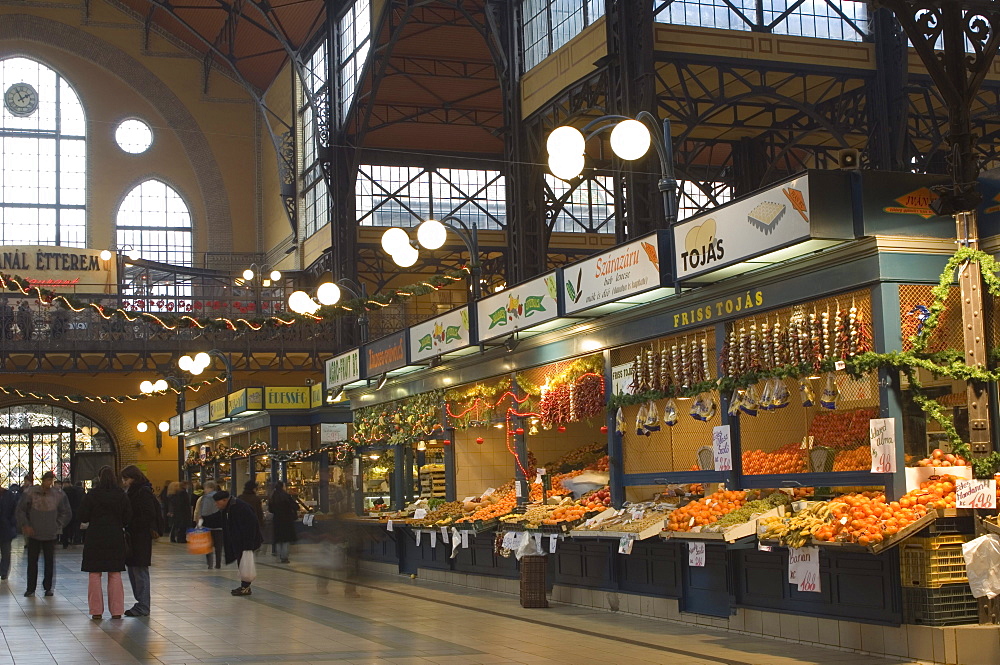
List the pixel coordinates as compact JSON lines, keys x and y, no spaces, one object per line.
{"x":35,"y":438}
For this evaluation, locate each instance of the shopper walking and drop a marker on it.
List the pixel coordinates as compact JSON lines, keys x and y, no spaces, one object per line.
{"x":179,"y":512}
{"x":242,"y":536}
{"x":250,"y":498}
{"x":107,"y":511}
{"x":144,"y":527}
{"x":207,"y":514}
{"x":42,"y":513}
{"x":74,"y":494}
{"x":286,"y":511}
{"x":8,"y":528}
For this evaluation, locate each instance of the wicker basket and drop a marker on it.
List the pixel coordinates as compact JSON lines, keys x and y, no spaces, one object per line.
{"x":533,"y":581}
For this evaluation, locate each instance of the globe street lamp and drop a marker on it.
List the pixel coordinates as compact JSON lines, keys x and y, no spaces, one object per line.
{"x":630,"y":140}
{"x":198,"y":363}
{"x":161,"y":428}
{"x":161,"y":386}
{"x":329,"y":293}
{"x":431,"y":234}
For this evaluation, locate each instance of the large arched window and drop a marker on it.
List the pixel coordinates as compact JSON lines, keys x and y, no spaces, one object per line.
{"x":154,"y":220}
{"x":43,"y":157}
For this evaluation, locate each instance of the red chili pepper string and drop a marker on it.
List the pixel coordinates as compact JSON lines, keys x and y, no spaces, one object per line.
{"x":510,"y":437}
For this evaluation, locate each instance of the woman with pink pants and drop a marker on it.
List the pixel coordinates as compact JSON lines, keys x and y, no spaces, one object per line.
{"x":106,"y":510}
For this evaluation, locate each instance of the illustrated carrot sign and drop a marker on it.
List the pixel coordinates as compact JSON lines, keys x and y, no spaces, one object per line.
{"x":651,"y":253}
{"x":798,"y":201}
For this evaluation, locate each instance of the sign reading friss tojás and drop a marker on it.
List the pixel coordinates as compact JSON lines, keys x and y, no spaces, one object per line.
{"x":615,"y":274}
{"x":61,"y":268}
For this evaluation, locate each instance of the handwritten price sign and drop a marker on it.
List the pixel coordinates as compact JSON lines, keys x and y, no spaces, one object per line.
{"x":722,"y":448}
{"x":696,"y":555}
{"x":803,"y":568}
{"x":975,"y":493}
{"x":882,"y":437}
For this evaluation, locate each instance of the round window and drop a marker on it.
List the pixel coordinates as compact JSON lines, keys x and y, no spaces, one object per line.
{"x":134,"y":136}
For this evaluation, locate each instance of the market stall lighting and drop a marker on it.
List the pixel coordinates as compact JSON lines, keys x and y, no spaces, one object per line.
{"x":421,"y":445}
{"x":431,"y":234}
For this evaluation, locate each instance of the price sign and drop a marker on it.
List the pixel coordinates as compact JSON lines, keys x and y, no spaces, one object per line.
{"x":388,"y":525}
{"x":419,"y":533}
{"x":434,"y":538}
{"x":489,"y":490}
{"x":419,"y":513}
{"x":638,"y":513}
{"x":517,"y":489}
{"x":722,"y":448}
{"x":975,"y":493}
{"x":508,"y":540}
{"x":882,"y":438}
{"x":465,"y":539}
{"x":625,"y":544}
{"x":696,"y":555}
{"x":444,"y":534}
{"x":553,"y":539}
{"x":803,"y":568}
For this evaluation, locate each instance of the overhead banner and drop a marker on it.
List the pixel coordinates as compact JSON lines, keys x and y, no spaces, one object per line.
{"x":248,"y":399}
{"x":617,"y":273}
{"x":202,"y":415}
{"x":815,"y":205}
{"x":217,"y":409}
{"x":386,"y":354}
{"x":343,"y":369}
{"x":518,"y":307}
{"x":66,"y":269}
{"x":287,"y":398}
{"x":175,"y":426}
{"x":446,"y":333}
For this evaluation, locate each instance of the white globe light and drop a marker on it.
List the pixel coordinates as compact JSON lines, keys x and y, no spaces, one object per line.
{"x":275,"y":276}
{"x":161,"y":385}
{"x":328,"y":293}
{"x":164,"y":426}
{"x":406,"y":258}
{"x":565,"y":141}
{"x":142,"y":427}
{"x":202,"y":359}
{"x":185,"y":363}
{"x":394,"y":240}
{"x":299,"y":302}
{"x":432,"y":234}
{"x":566,"y":167}
{"x":132,"y":254}
{"x":197,"y":369}
{"x":105,"y":255}
{"x":146,"y":387}
{"x":248,"y":274}
{"x":630,"y":139}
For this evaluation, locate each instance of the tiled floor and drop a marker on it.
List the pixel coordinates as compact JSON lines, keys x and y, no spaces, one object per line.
{"x":396,"y":620}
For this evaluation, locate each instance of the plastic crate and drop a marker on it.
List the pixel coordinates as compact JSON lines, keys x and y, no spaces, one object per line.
{"x":935,"y":542}
{"x":931,"y":567}
{"x":948,"y":525}
{"x":533,"y":581}
{"x":945,"y":606}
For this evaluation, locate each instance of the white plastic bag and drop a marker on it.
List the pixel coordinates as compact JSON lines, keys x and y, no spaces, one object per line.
{"x":248,"y":567}
{"x":982,"y":562}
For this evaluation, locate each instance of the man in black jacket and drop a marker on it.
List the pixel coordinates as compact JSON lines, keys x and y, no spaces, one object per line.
{"x":74,"y":493}
{"x":241,"y":535}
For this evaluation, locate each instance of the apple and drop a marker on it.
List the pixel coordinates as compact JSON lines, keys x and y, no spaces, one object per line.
{"x":937,"y":453}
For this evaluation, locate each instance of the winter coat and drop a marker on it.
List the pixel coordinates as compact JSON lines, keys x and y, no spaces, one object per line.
{"x":180,"y":505}
{"x":108,"y":512}
{"x":146,"y":519}
{"x":8,"y":519}
{"x":286,"y":513}
{"x":47,"y":512}
{"x":240,"y":530}
{"x":252,"y":500}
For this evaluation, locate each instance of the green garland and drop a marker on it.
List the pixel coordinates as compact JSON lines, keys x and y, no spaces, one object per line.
{"x":400,"y":421}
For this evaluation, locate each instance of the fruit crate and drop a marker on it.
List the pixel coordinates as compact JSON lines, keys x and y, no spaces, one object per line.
{"x":931,"y":568}
{"x":948,"y":525}
{"x":948,"y":605}
{"x":533,"y":570}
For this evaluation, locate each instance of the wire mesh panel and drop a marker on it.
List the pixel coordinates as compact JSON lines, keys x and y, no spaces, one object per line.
{"x":914,"y":308}
{"x":652,"y":444}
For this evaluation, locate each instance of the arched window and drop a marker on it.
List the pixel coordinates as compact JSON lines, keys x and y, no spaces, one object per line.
{"x":43,"y":157}
{"x":154,"y":220}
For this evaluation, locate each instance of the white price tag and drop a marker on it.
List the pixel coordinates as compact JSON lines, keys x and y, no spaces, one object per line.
{"x":388,"y":525}
{"x":839,"y":365}
{"x":434,"y":538}
{"x":540,"y":471}
{"x":538,"y":542}
{"x":638,"y":513}
{"x":357,"y":466}
{"x":455,"y":542}
{"x":553,"y":539}
{"x":803,"y":568}
{"x":444,"y":534}
{"x":465,"y":539}
{"x":625,"y":544}
{"x":975,"y":493}
{"x":467,"y":499}
{"x":489,"y":490}
{"x":764,"y":548}
{"x":419,"y":533}
{"x":722,"y":448}
{"x":508,"y":540}
{"x":517,"y":489}
{"x":696,"y":555}
{"x":419,"y":513}
{"x":882,"y":439}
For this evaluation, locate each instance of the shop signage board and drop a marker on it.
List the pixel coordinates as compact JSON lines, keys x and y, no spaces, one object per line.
{"x":626,"y":270}
{"x":202,"y":415}
{"x":188,"y":421}
{"x":882,"y":438}
{"x":443,"y":334}
{"x":518,"y":307}
{"x":316,"y":395}
{"x":622,"y":379}
{"x":386,"y":354}
{"x":899,"y":204}
{"x":217,"y":409}
{"x":343,"y":369}
{"x":278,"y":399}
{"x":65,"y":269}
{"x":175,"y":426}
{"x":330,"y":432}
{"x":248,"y":399}
{"x":813,"y":206}
{"x":971,"y":493}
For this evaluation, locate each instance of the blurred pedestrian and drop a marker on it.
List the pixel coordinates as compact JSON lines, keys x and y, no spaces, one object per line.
{"x":74,"y":494}
{"x":250,"y":498}
{"x":242,"y":536}
{"x":146,"y":525}
{"x":207,"y":515}
{"x":286,"y":512}
{"x":179,"y":512}
{"x":107,"y":511}
{"x":42,"y":512}
{"x":25,"y":321}
{"x":8,"y":528}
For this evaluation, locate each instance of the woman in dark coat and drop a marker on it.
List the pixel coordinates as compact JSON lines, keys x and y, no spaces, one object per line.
{"x":179,"y":511}
{"x":286,"y":511}
{"x":146,"y":526}
{"x":107,"y":512}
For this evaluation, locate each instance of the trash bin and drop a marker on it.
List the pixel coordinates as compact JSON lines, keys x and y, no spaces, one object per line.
{"x":533,"y":581}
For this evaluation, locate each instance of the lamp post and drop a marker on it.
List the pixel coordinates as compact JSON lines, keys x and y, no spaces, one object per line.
{"x":160,"y":428}
{"x":630,"y":140}
{"x":431,"y":234}
{"x":197,"y":364}
{"x":161,"y":386}
{"x":329,"y":293}
{"x":258,"y":277}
